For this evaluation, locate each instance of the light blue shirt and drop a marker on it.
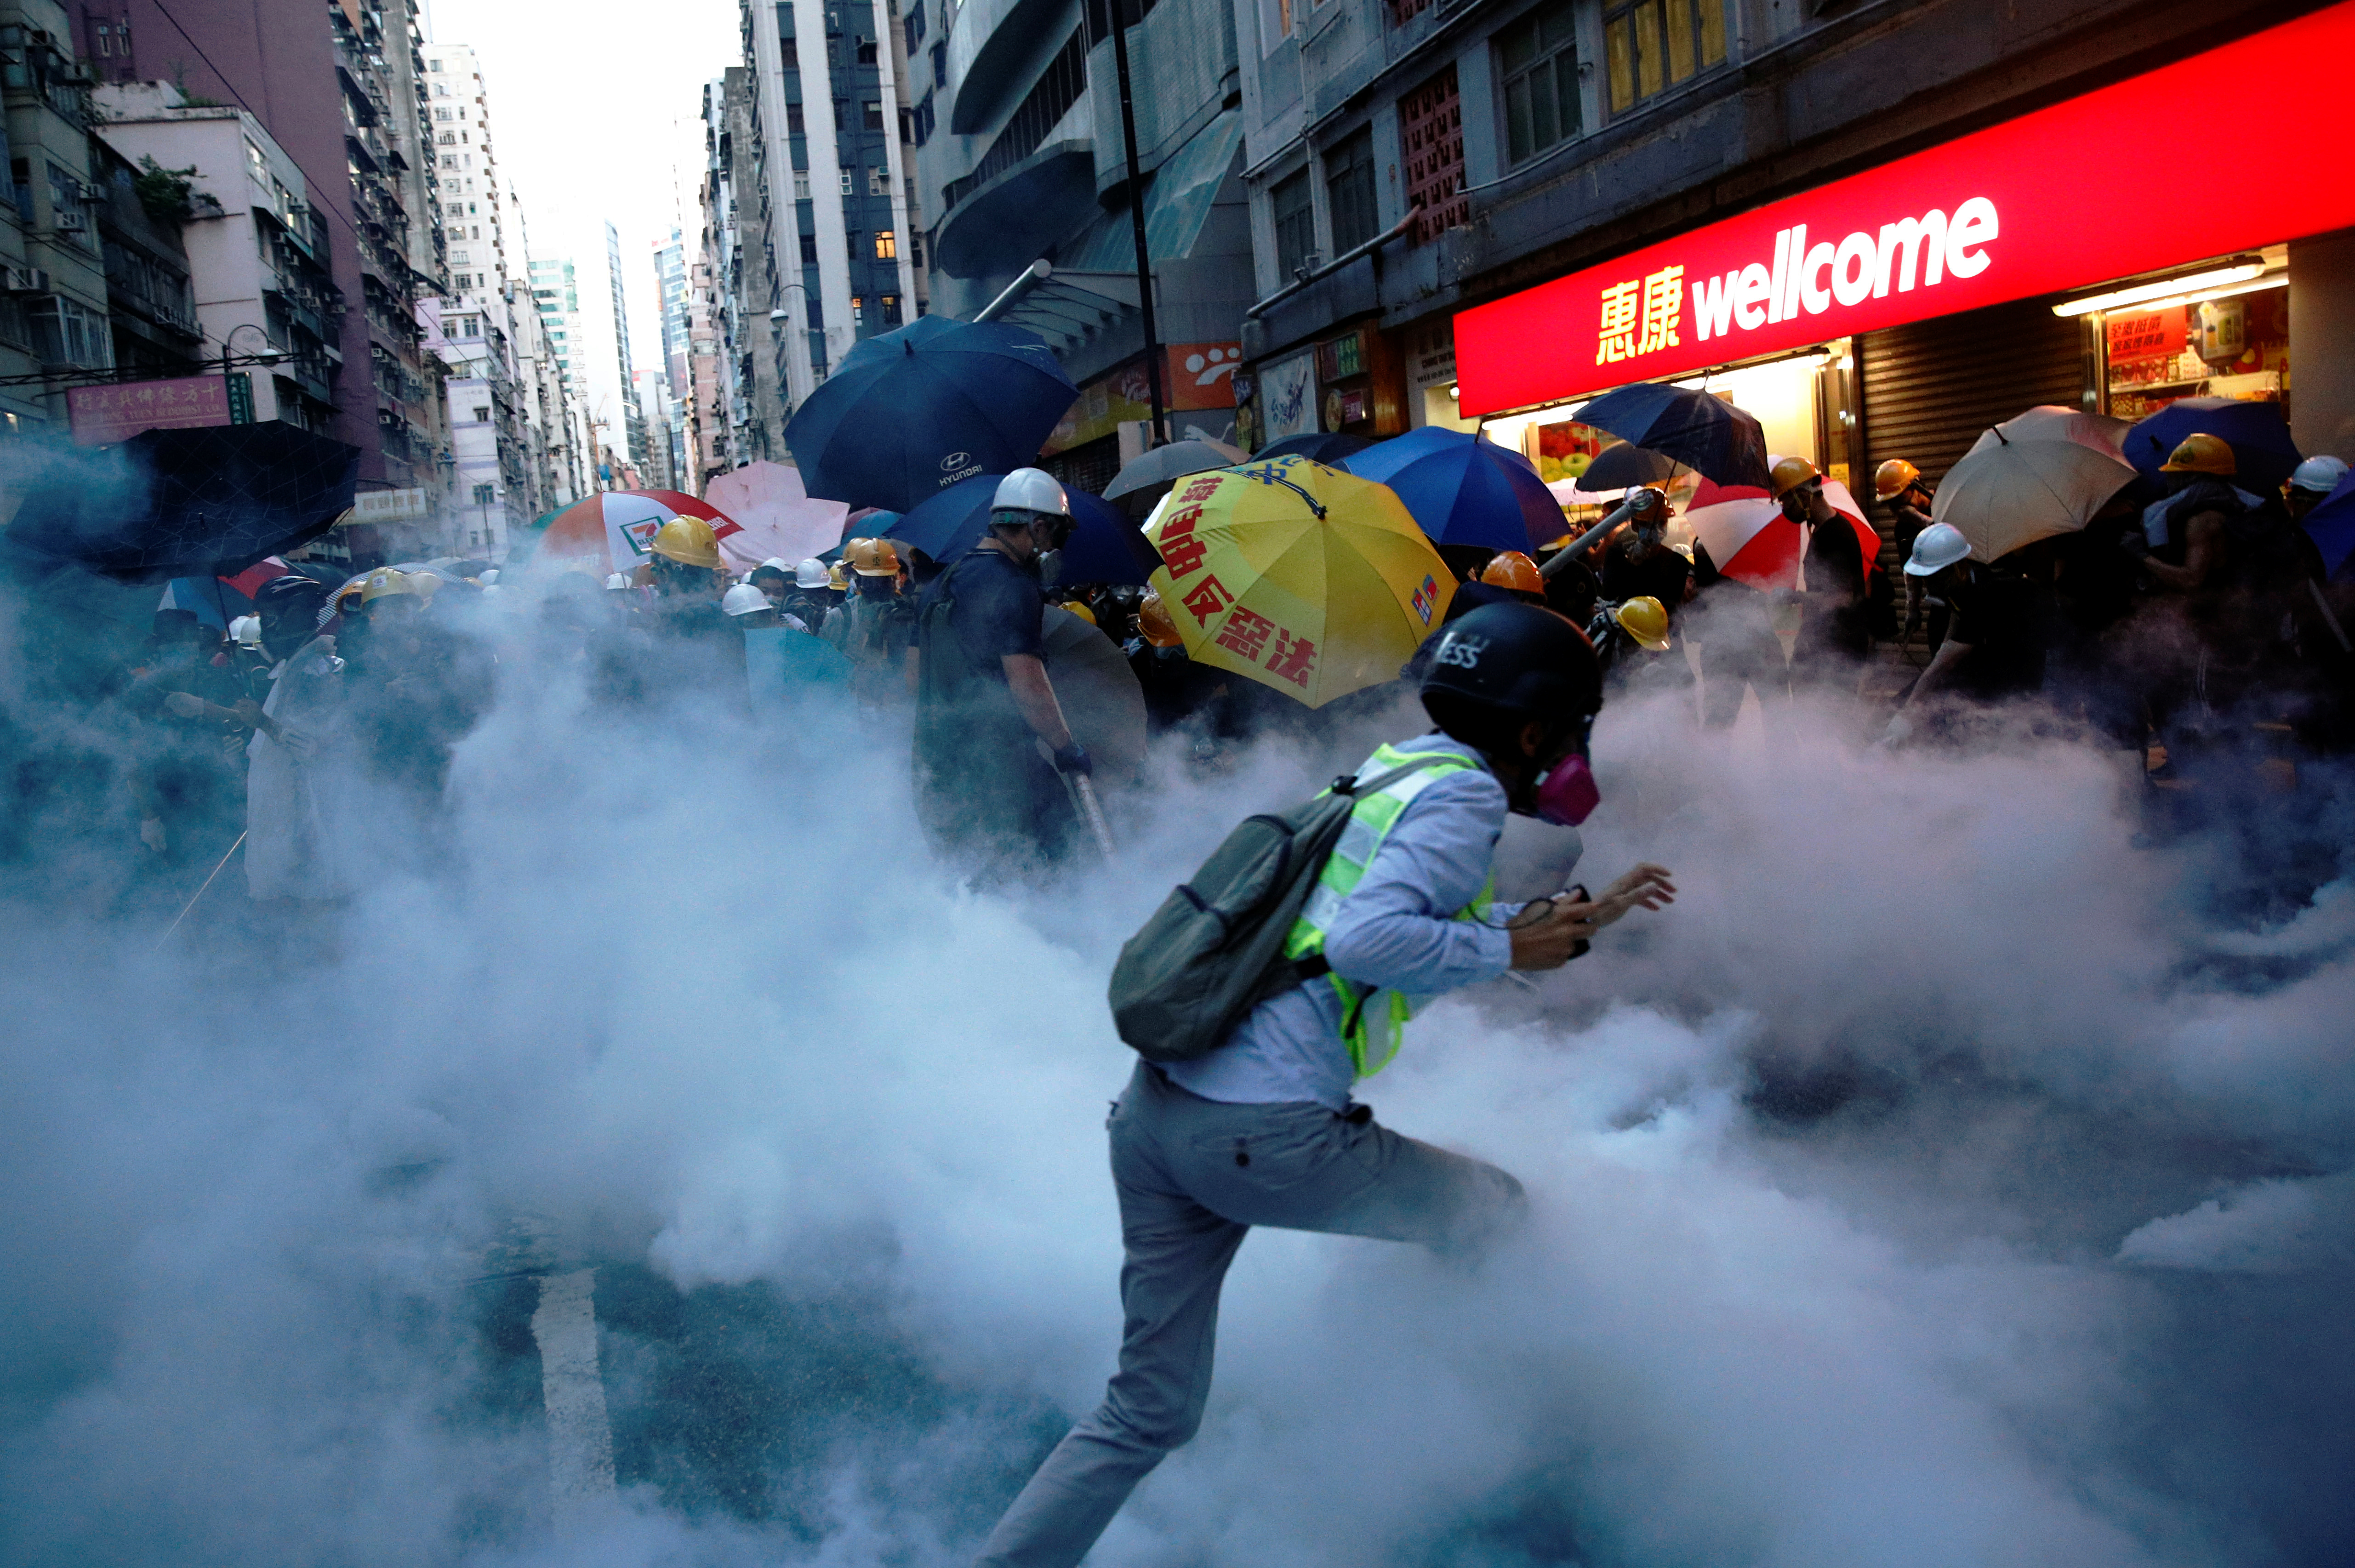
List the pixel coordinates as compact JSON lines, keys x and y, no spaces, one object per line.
{"x":1396,"y":929}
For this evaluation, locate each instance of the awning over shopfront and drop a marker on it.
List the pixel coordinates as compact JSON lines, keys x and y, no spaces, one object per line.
{"x":2041,"y":204}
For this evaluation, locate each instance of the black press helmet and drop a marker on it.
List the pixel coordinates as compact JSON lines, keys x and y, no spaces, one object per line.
{"x":1503,"y":664}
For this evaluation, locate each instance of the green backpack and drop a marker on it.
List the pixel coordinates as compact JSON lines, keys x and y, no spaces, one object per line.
{"x":1214,"y":950}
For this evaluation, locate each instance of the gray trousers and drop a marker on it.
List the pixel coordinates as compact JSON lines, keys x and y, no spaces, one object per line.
{"x":1194,"y":1176}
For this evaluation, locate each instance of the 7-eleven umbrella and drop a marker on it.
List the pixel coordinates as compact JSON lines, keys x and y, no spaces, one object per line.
{"x":612,"y":530}
{"x":1751,"y":541}
{"x":1300,"y":577}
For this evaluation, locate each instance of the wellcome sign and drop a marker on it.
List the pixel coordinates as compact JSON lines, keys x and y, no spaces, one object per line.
{"x":2034,"y":205}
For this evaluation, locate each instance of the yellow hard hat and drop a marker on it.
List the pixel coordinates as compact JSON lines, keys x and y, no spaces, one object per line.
{"x":872,"y":557}
{"x":2202,"y":454}
{"x":1080,"y":610}
{"x":1790,"y":473}
{"x":836,"y":579}
{"x":385,"y":581}
{"x":1643,"y":619}
{"x":1894,"y":478}
{"x":689,"y":542}
{"x":1512,"y":569}
{"x":1153,"y":620}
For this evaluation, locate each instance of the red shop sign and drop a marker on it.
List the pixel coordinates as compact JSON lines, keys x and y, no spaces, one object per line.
{"x":2059,"y":200}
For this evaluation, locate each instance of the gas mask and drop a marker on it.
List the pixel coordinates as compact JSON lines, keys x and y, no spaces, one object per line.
{"x":1567,"y":794}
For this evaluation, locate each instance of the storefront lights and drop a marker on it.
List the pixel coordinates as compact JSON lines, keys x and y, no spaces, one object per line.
{"x":2239,"y":270}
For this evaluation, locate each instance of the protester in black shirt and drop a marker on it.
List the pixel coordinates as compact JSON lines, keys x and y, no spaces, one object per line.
{"x":983,"y":704}
{"x":1835,"y":628}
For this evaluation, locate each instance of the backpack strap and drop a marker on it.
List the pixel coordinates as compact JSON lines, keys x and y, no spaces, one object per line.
{"x":1315,"y":966}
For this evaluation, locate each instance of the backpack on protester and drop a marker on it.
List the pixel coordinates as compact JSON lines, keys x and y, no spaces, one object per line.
{"x":1214,"y":950}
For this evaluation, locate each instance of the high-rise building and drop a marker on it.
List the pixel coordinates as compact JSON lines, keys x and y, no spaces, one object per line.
{"x":486,"y":329}
{"x":828,"y":104}
{"x":671,"y":283}
{"x":278,"y":61}
{"x":556,"y":292}
{"x":740,"y":274}
{"x":633,"y":432}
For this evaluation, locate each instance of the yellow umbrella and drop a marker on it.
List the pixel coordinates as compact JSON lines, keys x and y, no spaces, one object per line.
{"x":1306,"y":578}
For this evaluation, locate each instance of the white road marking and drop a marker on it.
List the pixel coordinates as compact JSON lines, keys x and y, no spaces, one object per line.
{"x":579,"y":1437}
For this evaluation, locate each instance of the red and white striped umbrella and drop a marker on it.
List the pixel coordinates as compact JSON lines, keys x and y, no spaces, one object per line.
{"x":614,"y":530}
{"x":1751,"y":541}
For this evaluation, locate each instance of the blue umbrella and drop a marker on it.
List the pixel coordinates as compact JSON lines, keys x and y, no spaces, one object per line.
{"x":2256,"y":433}
{"x":912,"y":412}
{"x":1703,"y":432}
{"x":2332,"y":526}
{"x":1464,"y":490}
{"x":186,"y":503}
{"x":1104,"y":548}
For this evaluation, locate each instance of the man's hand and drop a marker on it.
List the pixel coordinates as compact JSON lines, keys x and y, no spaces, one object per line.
{"x":1556,"y":930}
{"x":185,"y":704}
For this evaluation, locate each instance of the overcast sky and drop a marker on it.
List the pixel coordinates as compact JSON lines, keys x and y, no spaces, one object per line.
{"x":596,"y":106}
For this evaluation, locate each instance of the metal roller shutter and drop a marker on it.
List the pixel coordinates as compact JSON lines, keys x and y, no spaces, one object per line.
{"x":1929,"y":389}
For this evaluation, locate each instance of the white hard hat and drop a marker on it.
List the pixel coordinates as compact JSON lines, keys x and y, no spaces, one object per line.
{"x":247,"y":629}
{"x":744,"y":599}
{"x":778,"y":562}
{"x":1935,"y":548}
{"x":1031,"y":490}
{"x":618,"y":580}
{"x":811,"y":574}
{"x":2319,"y":475}
{"x":490,"y":574}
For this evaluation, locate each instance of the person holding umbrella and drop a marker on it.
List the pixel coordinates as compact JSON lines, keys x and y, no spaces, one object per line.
{"x":1834,"y":628}
{"x":991,"y":744}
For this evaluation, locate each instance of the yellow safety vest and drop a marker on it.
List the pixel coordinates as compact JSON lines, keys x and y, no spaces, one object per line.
{"x":1373,"y":1019}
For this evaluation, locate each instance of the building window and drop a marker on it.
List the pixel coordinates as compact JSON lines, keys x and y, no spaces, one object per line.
{"x":481,"y":413}
{"x":887,"y":244}
{"x":870,"y":113}
{"x":485,"y":494}
{"x":939,"y":65}
{"x":435,"y":65}
{"x":1537,"y":58}
{"x":66,"y":333}
{"x":865,"y":51}
{"x":1350,"y":190}
{"x":925,"y":120}
{"x":441,"y":89}
{"x":845,"y":181}
{"x":890,"y":310}
{"x":857,"y":310}
{"x":441,"y":114}
{"x":1431,"y":124}
{"x":878,"y":181}
{"x":809,"y":249}
{"x":914,"y":28}
{"x":801,"y":185}
{"x":795,"y":125}
{"x":1274,"y":24}
{"x":1295,"y":222}
{"x":1655,"y":45}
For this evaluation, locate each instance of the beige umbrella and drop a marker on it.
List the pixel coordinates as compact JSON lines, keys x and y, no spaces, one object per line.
{"x":2053,"y":422}
{"x":2006,"y":494}
{"x":1099,"y":695}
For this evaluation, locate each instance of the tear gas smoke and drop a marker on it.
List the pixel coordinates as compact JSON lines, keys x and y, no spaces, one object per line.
{"x":1935,"y":1183}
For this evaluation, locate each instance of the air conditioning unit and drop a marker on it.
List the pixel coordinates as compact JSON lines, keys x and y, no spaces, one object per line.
{"x":72,"y":222}
{"x":23,"y":281}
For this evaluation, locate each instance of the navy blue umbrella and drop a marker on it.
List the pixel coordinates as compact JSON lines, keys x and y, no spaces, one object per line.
{"x":1464,"y":490}
{"x":185,"y":503}
{"x":1702,"y":432}
{"x":2256,"y":433}
{"x":1623,"y":465}
{"x":1104,"y":546}
{"x":1329,"y":450}
{"x":910,"y":413}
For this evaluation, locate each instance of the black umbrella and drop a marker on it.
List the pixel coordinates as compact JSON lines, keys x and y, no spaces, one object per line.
{"x":1327,"y":450}
{"x":190,"y":503}
{"x":1623,"y":465}
{"x":1692,"y":428}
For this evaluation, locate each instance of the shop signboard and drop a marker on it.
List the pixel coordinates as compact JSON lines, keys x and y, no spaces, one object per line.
{"x":114,"y":412}
{"x":390,"y":505}
{"x":2035,"y":205}
{"x":1197,"y":375}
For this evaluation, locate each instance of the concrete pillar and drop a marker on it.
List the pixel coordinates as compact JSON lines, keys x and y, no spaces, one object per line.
{"x":2322,"y":343}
